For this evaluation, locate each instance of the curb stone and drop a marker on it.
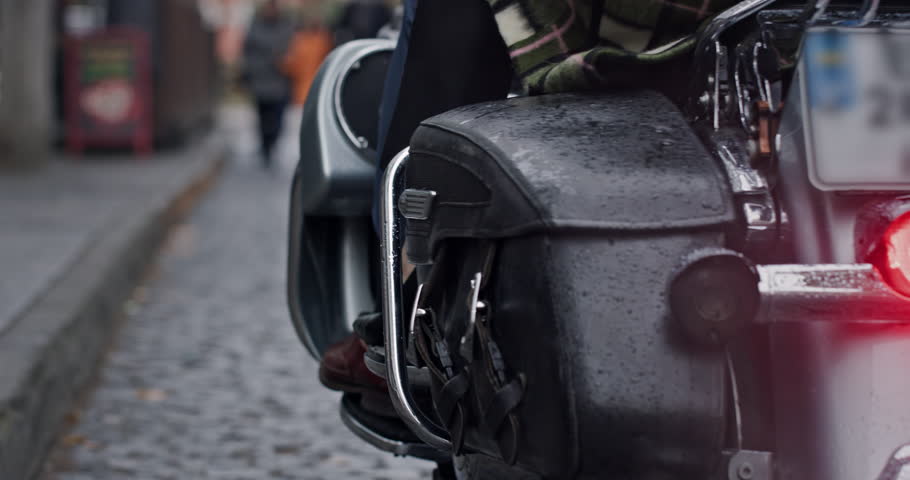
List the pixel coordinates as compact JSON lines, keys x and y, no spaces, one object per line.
{"x":52,"y":351}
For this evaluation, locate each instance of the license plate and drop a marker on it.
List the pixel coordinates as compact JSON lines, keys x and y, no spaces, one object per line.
{"x":856,"y":91}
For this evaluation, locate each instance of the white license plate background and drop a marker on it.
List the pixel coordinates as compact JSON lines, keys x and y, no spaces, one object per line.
{"x":857,"y":94}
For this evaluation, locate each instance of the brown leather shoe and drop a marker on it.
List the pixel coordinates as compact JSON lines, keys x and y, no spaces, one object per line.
{"x":343,"y":369}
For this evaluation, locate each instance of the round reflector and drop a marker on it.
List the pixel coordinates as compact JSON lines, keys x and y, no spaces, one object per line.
{"x":714,"y":296}
{"x":894,"y":259}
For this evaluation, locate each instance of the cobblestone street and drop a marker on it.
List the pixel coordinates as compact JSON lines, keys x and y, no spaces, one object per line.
{"x":207,"y":379}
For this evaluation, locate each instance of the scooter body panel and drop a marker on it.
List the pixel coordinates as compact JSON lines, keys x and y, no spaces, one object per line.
{"x":330,"y":235}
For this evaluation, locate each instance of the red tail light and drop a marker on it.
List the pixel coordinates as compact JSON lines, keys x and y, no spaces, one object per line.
{"x":893,"y":255}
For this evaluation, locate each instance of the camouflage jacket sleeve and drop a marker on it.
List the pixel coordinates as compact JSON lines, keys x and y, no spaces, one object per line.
{"x":571,"y":45}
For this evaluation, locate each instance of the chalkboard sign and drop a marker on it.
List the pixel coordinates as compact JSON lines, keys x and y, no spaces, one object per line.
{"x":108,"y":98}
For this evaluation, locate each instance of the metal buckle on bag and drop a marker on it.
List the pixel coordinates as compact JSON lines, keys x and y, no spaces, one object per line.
{"x":475,"y":306}
{"x":416,"y":311}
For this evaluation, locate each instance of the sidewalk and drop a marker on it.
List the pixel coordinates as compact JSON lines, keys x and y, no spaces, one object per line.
{"x":74,"y":241}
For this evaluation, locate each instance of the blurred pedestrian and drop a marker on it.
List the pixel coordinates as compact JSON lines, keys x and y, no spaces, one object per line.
{"x":361,"y":19}
{"x":310,"y":45}
{"x":264,"y":50}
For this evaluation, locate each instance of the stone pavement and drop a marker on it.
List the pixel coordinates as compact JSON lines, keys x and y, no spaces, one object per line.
{"x":74,"y":239}
{"x":208,"y":380}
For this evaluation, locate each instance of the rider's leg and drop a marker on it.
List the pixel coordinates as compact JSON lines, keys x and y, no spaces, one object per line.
{"x":449,"y":54}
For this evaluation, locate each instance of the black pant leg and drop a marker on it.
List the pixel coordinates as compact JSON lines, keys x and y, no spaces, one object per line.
{"x":455,"y":57}
{"x":271,"y":119}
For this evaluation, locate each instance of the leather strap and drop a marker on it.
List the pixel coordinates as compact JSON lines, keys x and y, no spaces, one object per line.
{"x":454,"y":387}
{"x":452,"y":392}
{"x":450,"y":408}
{"x":454,"y":374}
{"x":504,"y":423}
{"x":498,"y":414}
{"x":424,"y":339}
{"x":503,"y":402}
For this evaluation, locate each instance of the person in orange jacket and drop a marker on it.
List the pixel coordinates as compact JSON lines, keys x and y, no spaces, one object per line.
{"x":308,"y":49}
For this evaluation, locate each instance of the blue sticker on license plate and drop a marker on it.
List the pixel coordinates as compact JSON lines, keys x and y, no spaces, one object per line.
{"x":832,"y":86}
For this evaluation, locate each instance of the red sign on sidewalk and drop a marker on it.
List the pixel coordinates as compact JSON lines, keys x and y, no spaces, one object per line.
{"x":108,"y":92}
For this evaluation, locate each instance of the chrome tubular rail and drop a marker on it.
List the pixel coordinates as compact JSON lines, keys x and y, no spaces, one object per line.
{"x":828,"y":293}
{"x":392,"y":311}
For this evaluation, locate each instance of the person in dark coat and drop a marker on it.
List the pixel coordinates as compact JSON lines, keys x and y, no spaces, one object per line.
{"x":361,"y":19}
{"x":264,"y":50}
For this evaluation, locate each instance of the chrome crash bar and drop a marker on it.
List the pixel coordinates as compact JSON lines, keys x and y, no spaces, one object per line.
{"x":828,"y":293}
{"x":392,"y":310}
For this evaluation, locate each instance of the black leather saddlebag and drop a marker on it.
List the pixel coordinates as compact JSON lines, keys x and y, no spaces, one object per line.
{"x":575,"y":210}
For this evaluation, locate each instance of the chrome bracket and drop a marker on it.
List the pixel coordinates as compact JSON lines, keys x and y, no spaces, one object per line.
{"x":391,"y":241}
{"x":720,"y":83}
{"x":744,"y":180}
{"x":744,"y":104}
{"x":709,"y":51}
{"x":749,"y":465}
{"x":751,"y":189}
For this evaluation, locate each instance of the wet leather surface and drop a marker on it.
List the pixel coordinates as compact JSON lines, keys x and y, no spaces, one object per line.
{"x":623,"y":160}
